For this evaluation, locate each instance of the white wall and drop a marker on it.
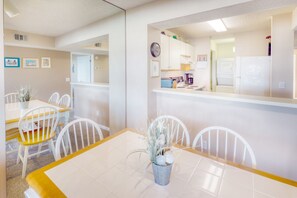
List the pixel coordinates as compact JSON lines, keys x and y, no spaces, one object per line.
{"x":271,"y":131}
{"x":101,"y":69}
{"x":252,"y":43}
{"x":202,"y":75}
{"x":33,"y":40}
{"x":114,"y":27}
{"x":138,"y":20}
{"x":2,"y":119}
{"x":282,"y":50}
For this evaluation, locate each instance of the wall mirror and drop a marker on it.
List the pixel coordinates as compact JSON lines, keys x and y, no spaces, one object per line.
{"x":84,"y":45}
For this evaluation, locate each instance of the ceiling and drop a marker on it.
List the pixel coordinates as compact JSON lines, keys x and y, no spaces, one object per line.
{"x":241,"y":23}
{"x":57,"y":17}
{"x":128,"y":4}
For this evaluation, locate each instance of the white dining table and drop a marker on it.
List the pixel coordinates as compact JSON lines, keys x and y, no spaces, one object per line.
{"x":13,"y":112}
{"x":108,"y":169}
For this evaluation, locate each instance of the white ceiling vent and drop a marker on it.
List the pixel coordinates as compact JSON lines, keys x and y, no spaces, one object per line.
{"x":20,"y":37}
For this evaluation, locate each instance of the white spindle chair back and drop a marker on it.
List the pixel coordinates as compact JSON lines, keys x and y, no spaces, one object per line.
{"x":179,"y":132}
{"x":39,"y":124}
{"x":11,"y":98}
{"x":224,"y":143}
{"x":76,"y":135}
{"x":65,"y":101}
{"x":54,"y":98}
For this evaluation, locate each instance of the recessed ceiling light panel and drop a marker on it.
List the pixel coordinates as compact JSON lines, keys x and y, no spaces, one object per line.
{"x":217,"y":25}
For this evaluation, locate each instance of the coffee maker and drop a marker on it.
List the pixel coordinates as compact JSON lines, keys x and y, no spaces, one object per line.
{"x":189,"y":78}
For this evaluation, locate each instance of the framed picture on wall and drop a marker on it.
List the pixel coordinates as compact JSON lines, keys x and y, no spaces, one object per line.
{"x":45,"y":62}
{"x":12,"y":62}
{"x":30,"y":63}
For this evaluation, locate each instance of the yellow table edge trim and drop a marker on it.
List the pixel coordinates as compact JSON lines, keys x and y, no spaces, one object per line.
{"x":38,"y":178}
{"x":35,"y":178}
{"x":252,"y":170}
{"x":18,"y":119}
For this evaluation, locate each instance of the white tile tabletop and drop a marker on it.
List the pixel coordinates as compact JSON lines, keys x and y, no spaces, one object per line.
{"x":107,"y":171}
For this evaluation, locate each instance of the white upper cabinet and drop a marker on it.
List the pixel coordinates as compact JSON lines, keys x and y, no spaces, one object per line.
{"x":174,"y":60}
{"x":174,"y":53}
{"x":164,"y":52}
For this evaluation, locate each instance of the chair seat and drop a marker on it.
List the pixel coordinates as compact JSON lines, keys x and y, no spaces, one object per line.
{"x":31,"y":142}
{"x":12,"y":134}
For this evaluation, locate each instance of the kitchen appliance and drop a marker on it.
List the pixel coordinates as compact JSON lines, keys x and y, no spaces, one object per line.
{"x":189,"y":80}
{"x":166,"y":83}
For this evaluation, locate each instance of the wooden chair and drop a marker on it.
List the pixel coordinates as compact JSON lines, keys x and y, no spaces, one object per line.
{"x":54,"y":98}
{"x":11,"y":98}
{"x":178,"y":130}
{"x":45,"y":119}
{"x":224,"y":143}
{"x":77,"y":135}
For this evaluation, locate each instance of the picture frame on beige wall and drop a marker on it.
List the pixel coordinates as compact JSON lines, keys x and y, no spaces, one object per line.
{"x":45,"y":62}
{"x":30,"y":63}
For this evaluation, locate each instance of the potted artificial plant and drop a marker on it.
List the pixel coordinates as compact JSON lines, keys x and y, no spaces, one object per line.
{"x":24,"y":96}
{"x":159,"y":149}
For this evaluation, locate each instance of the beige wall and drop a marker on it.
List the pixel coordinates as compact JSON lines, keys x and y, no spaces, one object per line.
{"x":42,"y":81}
{"x":282,"y":51}
{"x":101,"y":69}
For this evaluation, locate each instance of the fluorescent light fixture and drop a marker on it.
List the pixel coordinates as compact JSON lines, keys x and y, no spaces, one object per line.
{"x":217,"y":25}
{"x":10,"y":9}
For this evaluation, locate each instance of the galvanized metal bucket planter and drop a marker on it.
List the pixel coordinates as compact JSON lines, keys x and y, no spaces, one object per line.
{"x":24,"y":105}
{"x":162,"y":174}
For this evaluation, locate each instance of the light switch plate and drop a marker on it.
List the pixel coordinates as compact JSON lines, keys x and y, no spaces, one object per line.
{"x":67,"y":79}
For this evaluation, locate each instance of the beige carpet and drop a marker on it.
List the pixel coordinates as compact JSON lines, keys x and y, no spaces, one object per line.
{"x":14,"y":182}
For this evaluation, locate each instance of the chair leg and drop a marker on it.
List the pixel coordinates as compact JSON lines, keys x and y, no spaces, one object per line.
{"x":25,"y":161}
{"x":52,"y":148}
{"x":39,"y":149}
{"x":19,"y":154}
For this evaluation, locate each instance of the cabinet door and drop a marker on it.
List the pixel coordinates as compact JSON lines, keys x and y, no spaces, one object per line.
{"x":174,"y":53}
{"x":183,"y":49}
{"x":164,"y":52}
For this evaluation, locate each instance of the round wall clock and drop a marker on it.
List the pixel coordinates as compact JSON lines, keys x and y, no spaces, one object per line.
{"x":155,"y":49}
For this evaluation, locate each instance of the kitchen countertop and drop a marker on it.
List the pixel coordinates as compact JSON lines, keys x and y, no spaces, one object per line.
{"x":104,"y":85}
{"x":260,"y":100}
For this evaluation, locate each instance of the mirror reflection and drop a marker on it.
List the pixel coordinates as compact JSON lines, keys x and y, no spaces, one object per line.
{"x":56,"y":50}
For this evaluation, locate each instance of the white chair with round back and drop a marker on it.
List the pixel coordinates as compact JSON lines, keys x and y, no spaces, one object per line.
{"x":179,"y":132}
{"x":45,"y":120}
{"x":64,"y":101}
{"x":54,"y":98}
{"x":77,"y":135}
{"x":11,"y":98}
{"x":226,"y":144}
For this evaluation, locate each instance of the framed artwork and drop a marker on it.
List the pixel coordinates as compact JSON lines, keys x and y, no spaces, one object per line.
{"x":155,"y":68}
{"x":30,"y":63}
{"x":12,"y":62}
{"x":45,"y":62}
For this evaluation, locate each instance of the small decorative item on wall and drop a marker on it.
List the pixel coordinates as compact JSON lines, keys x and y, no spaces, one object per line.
{"x":155,"y":49}
{"x":45,"y":62}
{"x":155,"y":68}
{"x":201,"y":61}
{"x":12,"y":62}
{"x":30,"y":63}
